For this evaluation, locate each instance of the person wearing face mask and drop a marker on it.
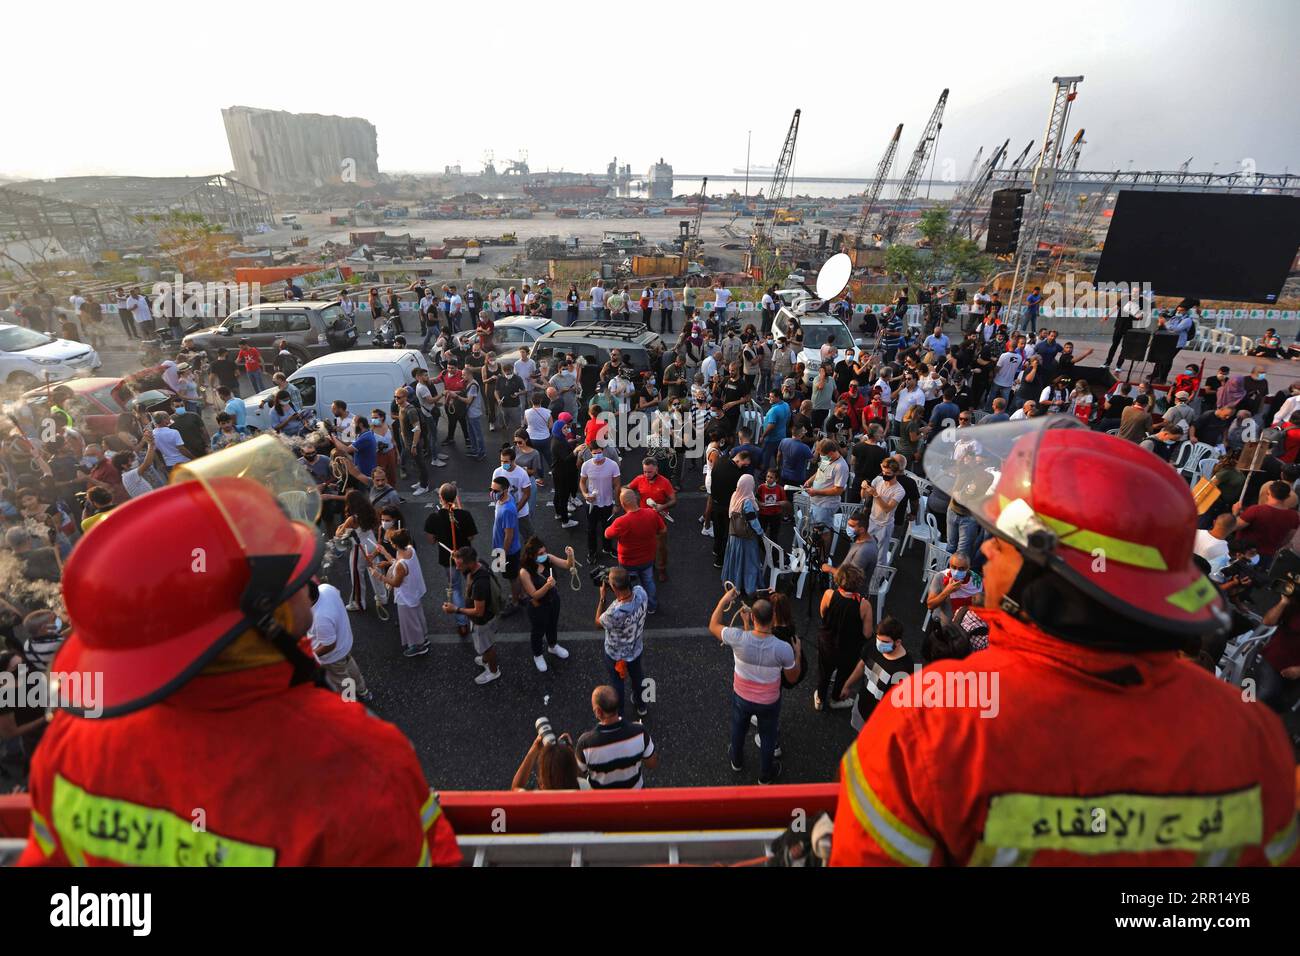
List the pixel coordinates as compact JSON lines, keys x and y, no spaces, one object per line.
{"x":402,"y":574}
{"x":542,"y":592}
{"x":884,"y":663}
{"x":285,"y":418}
{"x":385,"y":443}
{"x":599,"y":482}
{"x":952,"y":590}
{"x":885,"y":492}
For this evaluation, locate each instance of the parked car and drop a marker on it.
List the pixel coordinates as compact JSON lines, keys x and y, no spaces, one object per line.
{"x":365,"y":379}
{"x":511,"y":333}
{"x":816,"y":328}
{"x":312,"y":329}
{"x":28,"y":358}
{"x":594,"y":340}
{"x":97,"y":403}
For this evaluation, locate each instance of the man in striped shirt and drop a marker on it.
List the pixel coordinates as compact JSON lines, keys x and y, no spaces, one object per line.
{"x":760,"y":659}
{"x":612,"y":755}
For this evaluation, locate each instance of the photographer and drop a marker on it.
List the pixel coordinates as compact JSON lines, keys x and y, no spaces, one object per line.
{"x":285,"y":418}
{"x":624,"y":624}
{"x":760,"y":660}
{"x":554,"y":760}
{"x":1277,"y":672}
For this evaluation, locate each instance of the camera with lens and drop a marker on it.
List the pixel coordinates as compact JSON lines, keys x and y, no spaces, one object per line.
{"x":1284,"y":573}
{"x":598,"y":573}
{"x":543,"y":725}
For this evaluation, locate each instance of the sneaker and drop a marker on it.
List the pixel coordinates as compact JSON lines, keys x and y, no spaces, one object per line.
{"x":652,"y":610}
{"x":487,"y":677}
{"x":559,"y":652}
{"x":717,"y":564}
{"x":776,"y":772}
{"x":440,"y":457}
{"x":540,"y":662}
{"x":353,"y":606}
{"x":569,"y":524}
{"x":419,"y":490}
{"x":447,"y":441}
{"x":438,"y":464}
{"x":509,"y":609}
{"x":758,"y":742}
{"x":842,"y":704}
{"x":738,"y":767}
{"x":753,"y":720}
{"x":417,"y":650}
{"x":707,"y":531}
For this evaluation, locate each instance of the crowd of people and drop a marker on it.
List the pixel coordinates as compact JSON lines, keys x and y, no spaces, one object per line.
{"x":805,"y":471}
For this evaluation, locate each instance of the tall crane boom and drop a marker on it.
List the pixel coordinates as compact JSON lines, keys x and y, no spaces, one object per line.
{"x":872,"y":195}
{"x":780,"y":178}
{"x":1070,"y":160}
{"x":974,"y":195}
{"x":1038,"y":203}
{"x":892,"y":219}
{"x":1019,"y":160}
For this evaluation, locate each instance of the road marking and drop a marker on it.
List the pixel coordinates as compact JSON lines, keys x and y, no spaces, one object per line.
{"x":523,"y":637}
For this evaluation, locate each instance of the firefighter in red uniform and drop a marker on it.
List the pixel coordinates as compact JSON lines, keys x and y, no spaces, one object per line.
{"x":210,"y":744}
{"x":1080,"y":736}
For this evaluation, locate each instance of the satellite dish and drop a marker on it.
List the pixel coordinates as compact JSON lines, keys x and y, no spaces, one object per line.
{"x":834,"y":276}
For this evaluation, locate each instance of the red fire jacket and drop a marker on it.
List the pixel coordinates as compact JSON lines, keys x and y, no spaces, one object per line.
{"x":1081,"y":757}
{"x":235,"y":769}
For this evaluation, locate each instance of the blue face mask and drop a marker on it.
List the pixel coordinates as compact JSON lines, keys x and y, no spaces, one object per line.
{"x":959,"y":575}
{"x":542,"y":558}
{"x":509,"y":466}
{"x":376,"y":422}
{"x":885,"y":647}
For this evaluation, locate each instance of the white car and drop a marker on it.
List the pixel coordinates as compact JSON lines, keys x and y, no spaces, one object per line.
{"x":510,"y":333}
{"x":817,"y":327}
{"x":29,"y":358}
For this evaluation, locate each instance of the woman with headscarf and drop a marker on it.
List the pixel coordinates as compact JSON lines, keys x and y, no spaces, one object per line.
{"x":743,"y":563}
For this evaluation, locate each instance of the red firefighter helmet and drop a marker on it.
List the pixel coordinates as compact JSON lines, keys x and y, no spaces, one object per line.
{"x":1107,"y":515}
{"x":171,"y":578}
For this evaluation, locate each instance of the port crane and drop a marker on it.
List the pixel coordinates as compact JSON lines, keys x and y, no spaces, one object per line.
{"x":976,"y":194}
{"x":891,"y":219}
{"x":872,"y":195}
{"x":1038,"y":204}
{"x":763,"y":225}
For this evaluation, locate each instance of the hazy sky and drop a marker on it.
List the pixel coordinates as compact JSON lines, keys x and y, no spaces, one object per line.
{"x":137,"y":87}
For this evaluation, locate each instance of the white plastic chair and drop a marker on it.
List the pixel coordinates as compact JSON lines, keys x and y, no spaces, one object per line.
{"x":936,"y":559}
{"x":1240,"y":654}
{"x":780,"y":562}
{"x":881,"y":581}
{"x":1196,"y":453}
{"x":923,"y":485}
{"x":1203,"y":337}
{"x":891,"y":549}
{"x":924,"y":529}
{"x":1206,"y":468}
{"x":1245,"y":344}
{"x":1229,"y":342}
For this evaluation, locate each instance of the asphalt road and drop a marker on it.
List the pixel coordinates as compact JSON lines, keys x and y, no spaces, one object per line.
{"x":473,"y":737}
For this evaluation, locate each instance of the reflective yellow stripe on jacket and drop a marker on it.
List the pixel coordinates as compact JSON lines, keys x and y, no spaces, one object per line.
{"x":901,"y":842}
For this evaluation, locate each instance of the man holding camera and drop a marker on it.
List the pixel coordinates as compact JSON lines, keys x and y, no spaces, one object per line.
{"x":624,"y":623}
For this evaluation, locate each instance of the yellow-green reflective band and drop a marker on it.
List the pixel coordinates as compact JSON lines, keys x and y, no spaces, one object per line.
{"x":893,"y":836}
{"x":41,"y":832}
{"x":1281,"y":847}
{"x":136,"y":835}
{"x":430,"y":811}
{"x":985,"y":855}
{"x":1193,"y":597}
{"x":1115,"y":549}
{"x":426,"y":858}
{"x":1126,"y":822}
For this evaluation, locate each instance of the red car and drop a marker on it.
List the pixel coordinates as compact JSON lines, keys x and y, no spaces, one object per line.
{"x":96,"y":403}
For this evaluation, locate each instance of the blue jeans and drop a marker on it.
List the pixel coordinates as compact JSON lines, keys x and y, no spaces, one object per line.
{"x":769,"y":453}
{"x":474,"y":429}
{"x":1000,"y":391}
{"x":635,"y":675}
{"x":961,"y":533}
{"x":769,"y":722}
{"x":255,"y":380}
{"x":599,"y":314}
{"x":646,"y":572}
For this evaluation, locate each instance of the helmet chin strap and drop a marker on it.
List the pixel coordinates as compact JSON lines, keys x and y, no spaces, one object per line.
{"x":269,"y":578}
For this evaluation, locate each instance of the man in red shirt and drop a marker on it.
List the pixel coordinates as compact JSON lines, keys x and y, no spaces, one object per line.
{"x":637,"y":532}
{"x":596,"y":426}
{"x":1268,"y":526}
{"x":1291,"y":439}
{"x":251,"y":359}
{"x":656,"y":493}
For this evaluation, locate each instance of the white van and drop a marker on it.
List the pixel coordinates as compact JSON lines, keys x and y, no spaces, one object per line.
{"x":365,"y":379}
{"x":817,"y":328}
